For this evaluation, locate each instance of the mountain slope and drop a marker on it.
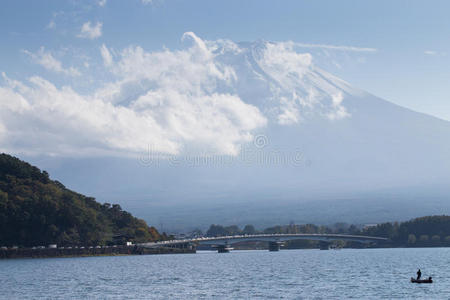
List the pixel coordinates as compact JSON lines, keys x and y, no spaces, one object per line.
{"x":324,"y":142}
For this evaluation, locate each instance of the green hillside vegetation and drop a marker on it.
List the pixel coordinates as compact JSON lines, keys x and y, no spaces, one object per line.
{"x":35,"y":210}
{"x":430,"y":231}
{"x":338,"y":228}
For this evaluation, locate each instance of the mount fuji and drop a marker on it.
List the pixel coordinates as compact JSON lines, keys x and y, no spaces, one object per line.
{"x":304,"y":145}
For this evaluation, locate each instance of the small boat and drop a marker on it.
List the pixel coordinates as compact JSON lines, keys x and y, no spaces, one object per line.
{"x":429,"y":280}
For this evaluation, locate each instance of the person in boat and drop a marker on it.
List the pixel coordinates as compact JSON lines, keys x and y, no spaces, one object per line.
{"x":419,"y":274}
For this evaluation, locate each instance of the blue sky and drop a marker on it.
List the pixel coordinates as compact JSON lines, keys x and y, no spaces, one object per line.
{"x":410,"y":67}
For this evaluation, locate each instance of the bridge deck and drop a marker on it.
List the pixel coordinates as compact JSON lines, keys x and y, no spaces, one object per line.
{"x":267,"y":237}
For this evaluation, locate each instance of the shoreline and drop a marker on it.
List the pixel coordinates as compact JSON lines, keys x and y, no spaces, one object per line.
{"x":87,"y":252}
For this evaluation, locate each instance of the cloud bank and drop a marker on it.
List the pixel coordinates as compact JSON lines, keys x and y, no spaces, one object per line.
{"x":209,"y":97}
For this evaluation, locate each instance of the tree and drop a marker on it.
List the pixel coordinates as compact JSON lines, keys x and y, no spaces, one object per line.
{"x":232,"y":230}
{"x":447,"y":240}
{"x":196,"y":233}
{"x":249,"y":229}
{"x":353,"y":229}
{"x":436,"y":239}
{"x":423,"y":239}
{"x":411,"y":239}
{"x":216,"y":230}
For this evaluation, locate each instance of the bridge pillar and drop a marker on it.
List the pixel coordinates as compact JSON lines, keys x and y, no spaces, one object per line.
{"x":274,"y":246}
{"x":324,"y":245}
{"x":223,"y":248}
{"x":190,"y":246}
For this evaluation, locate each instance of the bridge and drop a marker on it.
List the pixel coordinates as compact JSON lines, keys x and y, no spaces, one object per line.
{"x":223,"y":243}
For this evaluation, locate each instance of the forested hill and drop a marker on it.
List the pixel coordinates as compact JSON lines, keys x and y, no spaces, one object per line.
{"x":420,"y":232}
{"x":35,"y":210}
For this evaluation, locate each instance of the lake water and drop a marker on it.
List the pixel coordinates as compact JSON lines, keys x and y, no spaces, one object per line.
{"x":288,"y":274}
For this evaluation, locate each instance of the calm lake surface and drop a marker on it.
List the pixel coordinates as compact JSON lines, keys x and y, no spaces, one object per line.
{"x":288,"y":274}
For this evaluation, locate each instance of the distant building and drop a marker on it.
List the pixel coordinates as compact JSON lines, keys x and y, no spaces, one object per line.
{"x":369,"y":225}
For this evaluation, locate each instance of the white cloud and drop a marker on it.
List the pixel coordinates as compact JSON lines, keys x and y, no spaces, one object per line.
{"x":101,"y":3}
{"x":46,"y":59}
{"x":167,"y":101}
{"x":55,"y":16}
{"x":339,"y":111}
{"x":106,"y":55}
{"x":70,"y":123}
{"x":434,"y":53}
{"x":334,"y":47}
{"x":51,"y":25}
{"x":280,"y":60}
{"x":289,"y":112}
{"x":152,"y":2}
{"x":89,"y":31}
{"x":210,"y":96}
{"x":164,"y":121}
